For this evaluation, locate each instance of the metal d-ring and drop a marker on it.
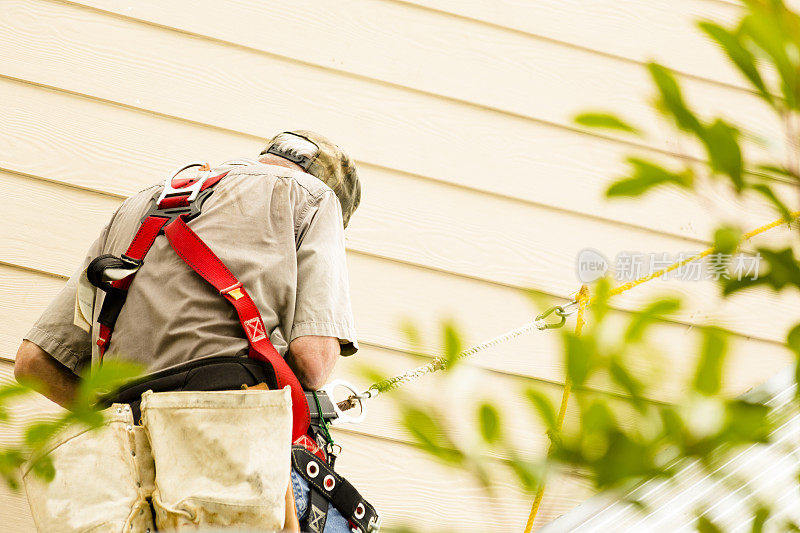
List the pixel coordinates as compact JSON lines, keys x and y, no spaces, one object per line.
{"x":568,"y":309}
{"x":193,"y":189}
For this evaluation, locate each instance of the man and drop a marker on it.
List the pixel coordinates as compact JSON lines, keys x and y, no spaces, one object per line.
{"x":278,"y":227}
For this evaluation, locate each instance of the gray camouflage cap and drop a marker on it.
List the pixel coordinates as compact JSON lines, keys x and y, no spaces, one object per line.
{"x":322,"y":159}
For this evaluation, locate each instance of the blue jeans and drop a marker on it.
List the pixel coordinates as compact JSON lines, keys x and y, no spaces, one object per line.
{"x":335,"y":523}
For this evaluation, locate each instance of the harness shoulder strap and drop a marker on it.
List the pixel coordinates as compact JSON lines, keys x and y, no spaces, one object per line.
{"x":115,"y":298}
{"x":202,"y":260}
{"x":168,"y":213}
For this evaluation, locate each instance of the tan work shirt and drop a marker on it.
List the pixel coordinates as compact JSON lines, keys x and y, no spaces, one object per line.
{"x":278,"y":230}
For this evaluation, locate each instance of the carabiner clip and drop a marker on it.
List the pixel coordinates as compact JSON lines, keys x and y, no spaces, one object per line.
{"x":354,"y":397}
{"x":558,"y":310}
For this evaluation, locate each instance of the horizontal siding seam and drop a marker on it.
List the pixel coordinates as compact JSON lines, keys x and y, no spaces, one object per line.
{"x":553,"y":208}
{"x":460,"y":101}
{"x":733,"y":333}
{"x":419,"y":7}
{"x":576,"y":46}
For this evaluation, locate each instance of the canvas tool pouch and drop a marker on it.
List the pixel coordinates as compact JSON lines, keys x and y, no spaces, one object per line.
{"x":102,"y":479}
{"x":222,"y":458}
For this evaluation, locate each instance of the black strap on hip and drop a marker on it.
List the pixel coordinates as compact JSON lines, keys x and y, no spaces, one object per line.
{"x":335,"y":489}
{"x":207,"y":374}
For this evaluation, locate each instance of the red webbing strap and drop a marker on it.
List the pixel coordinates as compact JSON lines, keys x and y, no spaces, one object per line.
{"x":144,"y":239}
{"x":202,"y":260}
{"x":174,"y":201}
{"x":138,"y":248}
{"x":141,"y":244}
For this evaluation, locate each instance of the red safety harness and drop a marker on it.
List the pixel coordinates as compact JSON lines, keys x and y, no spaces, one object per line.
{"x":180,"y":201}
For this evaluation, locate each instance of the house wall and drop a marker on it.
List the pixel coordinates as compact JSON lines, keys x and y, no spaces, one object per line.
{"x":476,"y":183}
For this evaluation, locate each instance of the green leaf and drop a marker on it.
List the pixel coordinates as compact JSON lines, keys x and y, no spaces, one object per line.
{"x":599,"y":307}
{"x":765,"y":31}
{"x":708,"y":375}
{"x":543,"y":406}
{"x":8,"y":392}
{"x":732,"y":285}
{"x":791,"y":526}
{"x":430,"y":435}
{"x":597,"y":418}
{"x":530,"y":474}
{"x":644,"y":176}
{"x":783,"y":270}
{"x":725,"y":155}
{"x":705,"y":525}
{"x":103,"y":380}
{"x":746,"y":422}
{"x":37,"y":434}
{"x":625,"y":379}
{"x":490,"y":424}
{"x":671,"y":100}
{"x":43,"y":467}
{"x":604,"y":121}
{"x":624,"y":459}
{"x":411,"y":333}
{"x":759,"y":519}
{"x":727,"y":239}
{"x":13,"y":390}
{"x":580,"y":358}
{"x":674,"y":426}
{"x":777,"y":170}
{"x":783,"y":267}
{"x":793,"y":340}
{"x":654,"y":311}
{"x":744,"y":60}
{"x":11,"y":459}
{"x":10,"y":462}
{"x":452,"y":344}
{"x":767,"y":192}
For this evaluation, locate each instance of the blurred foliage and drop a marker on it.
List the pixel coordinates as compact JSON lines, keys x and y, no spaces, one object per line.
{"x":620,"y":439}
{"x":31,"y":450}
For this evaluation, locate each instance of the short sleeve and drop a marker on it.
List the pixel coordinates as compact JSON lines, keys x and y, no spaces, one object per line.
{"x":55,"y":332}
{"x":323,"y":287}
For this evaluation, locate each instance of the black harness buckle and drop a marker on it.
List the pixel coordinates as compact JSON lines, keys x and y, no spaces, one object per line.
{"x":187,"y":212}
{"x":194,"y":193}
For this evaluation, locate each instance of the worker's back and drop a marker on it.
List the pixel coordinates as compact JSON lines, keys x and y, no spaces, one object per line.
{"x":279,"y":232}
{"x":266,"y":236}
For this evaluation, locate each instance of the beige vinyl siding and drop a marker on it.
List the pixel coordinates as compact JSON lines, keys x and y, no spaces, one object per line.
{"x":476,"y":184}
{"x":435,"y":54}
{"x":202,"y":80}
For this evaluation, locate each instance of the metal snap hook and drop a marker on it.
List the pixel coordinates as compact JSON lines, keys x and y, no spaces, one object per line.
{"x":354,"y":399}
{"x":558,"y":311}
